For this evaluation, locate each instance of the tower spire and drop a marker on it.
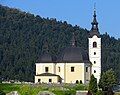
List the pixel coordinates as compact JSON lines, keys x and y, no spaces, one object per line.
{"x":94,"y":6}
{"x":94,"y":23}
{"x":94,"y":12}
{"x":45,"y":46}
{"x":94,"y":29}
{"x":73,"y":41}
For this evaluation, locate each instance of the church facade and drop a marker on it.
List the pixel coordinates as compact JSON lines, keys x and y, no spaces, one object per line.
{"x":74,"y":64}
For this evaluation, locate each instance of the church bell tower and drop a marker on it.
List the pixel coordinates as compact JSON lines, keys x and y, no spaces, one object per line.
{"x":95,"y":48}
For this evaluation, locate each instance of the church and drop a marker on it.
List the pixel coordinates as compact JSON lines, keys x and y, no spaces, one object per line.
{"x":73,"y":64}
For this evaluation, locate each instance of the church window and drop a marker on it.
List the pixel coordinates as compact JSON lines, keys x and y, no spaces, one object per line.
{"x":94,"y":62}
{"x":72,"y":69}
{"x":94,"y":53}
{"x":94,"y":71}
{"x":59,"y":69}
{"x":39,"y":80}
{"x":94,"y":44}
{"x":86,"y":69}
{"x":46,"y":69}
{"x":80,"y":81}
{"x":50,"y":80}
{"x":77,"y":81}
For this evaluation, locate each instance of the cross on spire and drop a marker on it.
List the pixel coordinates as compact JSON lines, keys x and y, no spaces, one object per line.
{"x":94,"y":6}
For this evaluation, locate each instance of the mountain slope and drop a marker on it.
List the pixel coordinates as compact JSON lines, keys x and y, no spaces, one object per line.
{"x":22,"y":38}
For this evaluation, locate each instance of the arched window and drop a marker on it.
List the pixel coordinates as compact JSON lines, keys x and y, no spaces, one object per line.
{"x":94,"y":44}
{"x":94,"y":71}
{"x":94,"y":53}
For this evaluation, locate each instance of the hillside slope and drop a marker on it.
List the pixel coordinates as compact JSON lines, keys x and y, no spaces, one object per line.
{"x":22,"y":38}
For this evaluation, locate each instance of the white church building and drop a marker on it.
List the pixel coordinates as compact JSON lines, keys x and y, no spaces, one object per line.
{"x":73,"y":64}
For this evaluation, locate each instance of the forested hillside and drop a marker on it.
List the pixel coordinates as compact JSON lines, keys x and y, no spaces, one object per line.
{"x":22,"y":38}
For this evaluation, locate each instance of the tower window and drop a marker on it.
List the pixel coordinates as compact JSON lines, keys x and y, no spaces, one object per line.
{"x":50,"y":80}
{"x":72,"y":69}
{"x":46,"y":69}
{"x":94,"y":44}
{"x":59,"y":69}
{"x":94,"y":53}
{"x":94,"y":62}
{"x":94,"y":71}
{"x":86,"y":69}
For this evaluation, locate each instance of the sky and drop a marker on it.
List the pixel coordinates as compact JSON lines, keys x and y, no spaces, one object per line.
{"x":75,"y":12}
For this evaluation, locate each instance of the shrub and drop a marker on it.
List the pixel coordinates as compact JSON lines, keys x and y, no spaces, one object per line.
{"x":2,"y":93}
{"x":99,"y":92}
{"x":64,"y":92}
{"x":26,"y":93}
{"x":80,"y":87}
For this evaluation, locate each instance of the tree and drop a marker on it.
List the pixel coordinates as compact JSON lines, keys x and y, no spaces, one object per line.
{"x":93,"y":85}
{"x":108,"y":79}
{"x":0,"y":78}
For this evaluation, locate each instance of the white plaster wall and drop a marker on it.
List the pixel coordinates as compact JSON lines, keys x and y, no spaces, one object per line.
{"x":65,"y":71}
{"x":62,"y":70}
{"x":40,"y":68}
{"x":45,"y":79}
{"x":97,"y":57}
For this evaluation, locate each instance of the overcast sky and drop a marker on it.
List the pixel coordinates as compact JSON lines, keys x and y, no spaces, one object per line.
{"x":75,"y":12}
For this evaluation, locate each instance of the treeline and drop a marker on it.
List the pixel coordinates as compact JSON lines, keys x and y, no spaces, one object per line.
{"x":22,"y":38}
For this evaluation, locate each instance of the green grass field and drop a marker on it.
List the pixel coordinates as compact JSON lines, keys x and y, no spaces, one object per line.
{"x":22,"y":89}
{"x":27,"y":89}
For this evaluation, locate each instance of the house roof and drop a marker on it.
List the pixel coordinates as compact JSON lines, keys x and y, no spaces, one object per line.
{"x":74,"y":55}
{"x":47,"y":74}
{"x":45,"y":56}
{"x":67,"y":55}
{"x":94,"y":30}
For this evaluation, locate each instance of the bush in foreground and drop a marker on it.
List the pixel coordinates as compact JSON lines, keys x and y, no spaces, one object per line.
{"x":2,"y":93}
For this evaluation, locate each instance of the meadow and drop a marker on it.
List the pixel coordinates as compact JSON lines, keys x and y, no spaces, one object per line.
{"x":34,"y":89}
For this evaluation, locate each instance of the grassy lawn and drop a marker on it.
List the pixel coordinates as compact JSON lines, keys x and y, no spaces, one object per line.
{"x":9,"y":87}
{"x":23,"y":89}
{"x":27,"y":89}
